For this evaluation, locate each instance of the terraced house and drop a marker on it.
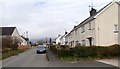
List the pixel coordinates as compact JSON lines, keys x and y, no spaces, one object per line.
{"x":100,"y":29}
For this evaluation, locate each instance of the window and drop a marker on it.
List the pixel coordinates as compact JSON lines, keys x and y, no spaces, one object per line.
{"x":75,"y":32}
{"x":76,"y":43}
{"x":83,"y":29}
{"x":90,"y":26}
{"x":83,"y":42}
{"x":115,"y":28}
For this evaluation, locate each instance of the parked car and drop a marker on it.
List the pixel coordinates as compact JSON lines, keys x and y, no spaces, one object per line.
{"x":41,"y":49}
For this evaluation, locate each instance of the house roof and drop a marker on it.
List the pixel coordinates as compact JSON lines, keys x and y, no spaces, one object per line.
{"x":58,"y":36}
{"x":63,"y":36}
{"x":118,"y":2}
{"x":25,"y":38}
{"x":7,"y":30}
{"x":94,"y":16}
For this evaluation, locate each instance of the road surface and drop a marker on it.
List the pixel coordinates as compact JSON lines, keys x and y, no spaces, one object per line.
{"x":31,"y":59}
{"x":26,"y":59}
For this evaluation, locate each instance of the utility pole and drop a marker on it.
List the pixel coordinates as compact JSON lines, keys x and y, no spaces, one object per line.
{"x":26,"y":34}
{"x":46,"y":40}
{"x":50,"y":41}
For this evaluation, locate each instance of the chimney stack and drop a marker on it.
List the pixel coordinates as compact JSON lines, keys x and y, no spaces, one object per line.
{"x":65,"y":32}
{"x":93,"y":11}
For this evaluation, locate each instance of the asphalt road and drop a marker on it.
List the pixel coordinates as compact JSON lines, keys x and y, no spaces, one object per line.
{"x":26,"y":59}
{"x":31,"y":59}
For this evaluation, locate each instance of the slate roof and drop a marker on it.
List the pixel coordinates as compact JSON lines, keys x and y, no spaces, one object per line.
{"x":7,"y":30}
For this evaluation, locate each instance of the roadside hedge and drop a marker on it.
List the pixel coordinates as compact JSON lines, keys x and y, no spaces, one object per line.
{"x":88,"y":51}
{"x":10,"y":53}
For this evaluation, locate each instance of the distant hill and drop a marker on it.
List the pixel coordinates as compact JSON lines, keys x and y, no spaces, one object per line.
{"x":41,"y":39}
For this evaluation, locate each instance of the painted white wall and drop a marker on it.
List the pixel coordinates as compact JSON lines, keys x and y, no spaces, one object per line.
{"x":67,"y":39}
{"x":15,"y":33}
{"x":102,"y":29}
{"x":24,"y":42}
{"x":78,"y":36}
{"x":105,"y":26}
{"x":58,"y":39}
{"x":88,"y":33}
{"x":119,"y":24}
{"x":62,"y":40}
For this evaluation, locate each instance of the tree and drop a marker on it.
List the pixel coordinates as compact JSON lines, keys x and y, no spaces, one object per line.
{"x":7,"y":42}
{"x":16,"y":42}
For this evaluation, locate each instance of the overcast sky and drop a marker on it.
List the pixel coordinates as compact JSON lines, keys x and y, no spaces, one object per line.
{"x":45,"y":18}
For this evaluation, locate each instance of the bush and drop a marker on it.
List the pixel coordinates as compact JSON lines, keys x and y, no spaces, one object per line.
{"x":54,"y":49}
{"x":90,"y":51}
{"x":66,"y":52}
{"x":10,"y":42}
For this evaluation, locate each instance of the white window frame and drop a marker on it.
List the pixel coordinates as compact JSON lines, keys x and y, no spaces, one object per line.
{"x":83,"y":42}
{"x":90,"y":26}
{"x":83,"y":29}
{"x":115,"y":28}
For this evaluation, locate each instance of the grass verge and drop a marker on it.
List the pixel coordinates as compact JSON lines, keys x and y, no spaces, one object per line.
{"x":68,"y":58}
{"x":10,"y":53}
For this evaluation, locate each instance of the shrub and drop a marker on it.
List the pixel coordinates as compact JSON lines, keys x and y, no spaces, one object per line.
{"x":10,"y":42}
{"x":88,"y":52}
{"x":65,"y":52}
{"x":54,"y":49}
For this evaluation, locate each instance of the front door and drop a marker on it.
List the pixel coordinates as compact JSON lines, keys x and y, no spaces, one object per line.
{"x":90,"y":41}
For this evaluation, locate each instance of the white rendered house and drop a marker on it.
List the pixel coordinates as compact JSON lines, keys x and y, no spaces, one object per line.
{"x":57,"y":40}
{"x":62,"y":39}
{"x":100,"y":29}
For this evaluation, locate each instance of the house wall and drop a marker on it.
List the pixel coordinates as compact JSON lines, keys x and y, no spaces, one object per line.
{"x":15,"y":33}
{"x":78,"y":37}
{"x":58,"y":40}
{"x":119,"y":24}
{"x":105,"y":26}
{"x":62,"y":41}
{"x":87,"y":34}
{"x":102,"y":30}
{"x":67,"y":39}
{"x":23,"y":42}
{"x":70,"y":39}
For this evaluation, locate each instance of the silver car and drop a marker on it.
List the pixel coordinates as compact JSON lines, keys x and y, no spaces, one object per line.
{"x":41,"y":49}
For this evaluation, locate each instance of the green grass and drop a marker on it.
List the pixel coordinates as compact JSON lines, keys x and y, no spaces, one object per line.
{"x":10,"y":53}
{"x":68,"y":58}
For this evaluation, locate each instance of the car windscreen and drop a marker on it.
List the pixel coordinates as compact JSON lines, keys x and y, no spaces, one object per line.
{"x":40,"y":46}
